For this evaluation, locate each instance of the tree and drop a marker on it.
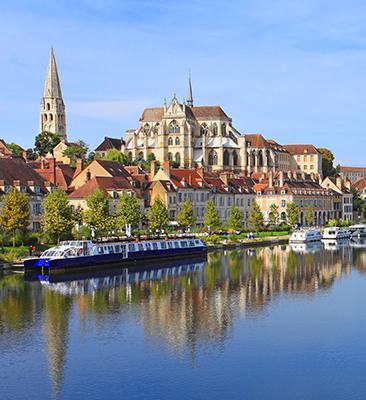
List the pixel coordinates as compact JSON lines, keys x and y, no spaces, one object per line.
{"x":96,"y":217}
{"x":76,"y":150}
{"x":292,"y":212}
{"x":158,"y":215}
{"x":46,"y":142}
{"x":15,"y":149}
{"x":128,"y":211}
{"x":327,"y":162}
{"x":255,"y":216}
{"x":116,"y":155}
{"x":212,"y":217}
{"x":58,"y":218}
{"x":274,"y":214}
{"x":235,"y":220}
{"x":309,"y":215}
{"x":14,"y":215}
{"x":185,"y":217}
{"x":31,"y":154}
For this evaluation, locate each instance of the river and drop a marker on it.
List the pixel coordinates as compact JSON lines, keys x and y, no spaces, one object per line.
{"x":268,"y":323}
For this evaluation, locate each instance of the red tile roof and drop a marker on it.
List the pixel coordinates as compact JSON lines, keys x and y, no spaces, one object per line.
{"x":353,"y":169}
{"x":110,"y":143}
{"x":360,"y":184}
{"x":301,"y":148}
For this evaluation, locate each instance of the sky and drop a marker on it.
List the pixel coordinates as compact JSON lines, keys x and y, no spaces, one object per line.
{"x":292,"y":70}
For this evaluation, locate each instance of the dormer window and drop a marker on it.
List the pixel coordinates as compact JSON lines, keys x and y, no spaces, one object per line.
{"x":37,"y":189}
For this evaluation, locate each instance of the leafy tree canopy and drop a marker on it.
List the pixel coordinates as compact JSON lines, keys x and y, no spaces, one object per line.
{"x":292,"y":213}
{"x":327,"y":164}
{"x":309,"y":215}
{"x":128,"y":211}
{"x":185,"y":218}
{"x":46,"y":142}
{"x":15,"y":149}
{"x":274,"y":214}
{"x":256,"y":220}
{"x":212,"y":217}
{"x":158,"y":215}
{"x":235,"y":220}
{"x":75,"y":150}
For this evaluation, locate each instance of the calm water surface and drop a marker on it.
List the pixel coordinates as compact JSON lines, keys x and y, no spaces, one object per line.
{"x":274,"y":323}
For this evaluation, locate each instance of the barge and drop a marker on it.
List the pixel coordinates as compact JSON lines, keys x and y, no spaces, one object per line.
{"x":85,"y":253}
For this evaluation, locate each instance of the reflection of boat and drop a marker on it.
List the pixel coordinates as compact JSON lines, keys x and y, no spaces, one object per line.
{"x":79,"y":253}
{"x":358,"y":243}
{"x":78,"y":282}
{"x":311,"y":247}
{"x":358,"y":231}
{"x":305,"y":236}
{"x":335,"y":233}
{"x":335,"y":244}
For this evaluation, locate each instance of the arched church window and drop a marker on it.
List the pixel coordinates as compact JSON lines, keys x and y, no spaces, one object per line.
{"x":48,"y":107}
{"x":177,"y":158}
{"x":177,"y":141}
{"x":214,"y":129}
{"x":174,"y":127}
{"x":45,"y":117}
{"x":170,"y":141}
{"x":156,"y":127}
{"x":51,"y":117}
{"x":203,"y":129}
{"x":212,"y":158}
{"x":146,"y":129}
{"x":223,"y":129}
{"x":235,"y":158}
{"x":170,"y":156}
{"x":226,"y":157}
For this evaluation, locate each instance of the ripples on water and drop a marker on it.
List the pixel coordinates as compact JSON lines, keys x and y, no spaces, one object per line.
{"x":247,"y":324}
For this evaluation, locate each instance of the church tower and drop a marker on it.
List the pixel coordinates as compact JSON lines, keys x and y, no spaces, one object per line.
{"x":189,"y":92}
{"x":52,"y":114}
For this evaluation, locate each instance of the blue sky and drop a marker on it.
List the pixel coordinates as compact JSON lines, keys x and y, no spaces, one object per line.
{"x":292,"y":70}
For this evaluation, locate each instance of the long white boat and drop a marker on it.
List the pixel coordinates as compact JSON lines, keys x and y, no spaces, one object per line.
{"x":336,"y":233}
{"x":81,"y":253}
{"x":305,"y":236}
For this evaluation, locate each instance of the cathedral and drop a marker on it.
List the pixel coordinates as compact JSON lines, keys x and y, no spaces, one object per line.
{"x":52,"y":114}
{"x":189,"y":136}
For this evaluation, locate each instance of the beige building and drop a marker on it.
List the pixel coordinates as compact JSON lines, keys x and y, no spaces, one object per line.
{"x":342,"y":187}
{"x":189,"y":135}
{"x":353,"y":173}
{"x":52,"y":113}
{"x":305,"y":158}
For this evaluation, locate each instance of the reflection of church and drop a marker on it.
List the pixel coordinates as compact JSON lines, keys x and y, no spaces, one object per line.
{"x":202,"y":135}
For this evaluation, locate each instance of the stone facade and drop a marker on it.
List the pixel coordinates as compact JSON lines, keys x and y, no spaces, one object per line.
{"x":52,"y":114}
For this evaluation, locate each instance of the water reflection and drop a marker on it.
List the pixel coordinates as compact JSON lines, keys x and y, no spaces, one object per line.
{"x":185,"y":306}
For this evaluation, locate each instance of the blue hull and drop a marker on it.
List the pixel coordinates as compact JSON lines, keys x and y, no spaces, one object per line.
{"x":100,"y":259}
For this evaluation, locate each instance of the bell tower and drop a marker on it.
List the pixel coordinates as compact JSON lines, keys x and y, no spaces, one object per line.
{"x":52,"y":113}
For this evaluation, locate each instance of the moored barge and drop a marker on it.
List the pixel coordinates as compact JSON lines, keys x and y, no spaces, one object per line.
{"x":85,"y":253}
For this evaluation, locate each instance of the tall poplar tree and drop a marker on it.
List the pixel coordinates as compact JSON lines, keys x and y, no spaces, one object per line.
{"x":212,"y":217}
{"x":14,"y":215}
{"x":58,"y":218}
{"x":309,"y":215}
{"x":274,"y":214}
{"x":185,"y":218}
{"x":292,"y":213}
{"x":158,"y":215}
{"x":256,"y":219}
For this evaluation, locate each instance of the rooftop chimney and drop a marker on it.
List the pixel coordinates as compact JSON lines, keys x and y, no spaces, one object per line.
{"x":52,"y":167}
{"x":339,"y":182}
{"x":166,"y":167}
{"x":79,"y":166}
{"x":152,"y":169}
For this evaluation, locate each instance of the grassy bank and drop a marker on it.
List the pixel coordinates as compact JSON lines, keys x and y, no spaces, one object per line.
{"x":10,"y":254}
{"x":243,"y":237}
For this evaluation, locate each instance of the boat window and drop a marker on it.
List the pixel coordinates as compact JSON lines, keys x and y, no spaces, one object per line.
{"x":100,"y":250}
{"x":140,"y":246}
{"x":117,"y":248}
{"x":191,"y":243}
{"x":183,"y":243}
{"x":110,"y":249}
{"x":163,"y":245}
{"x":170,"y":245}
{"x":155,"y":246}
{"x":131,"y":247}
{"x":176,"y":245}
{"x":197,"y":242}
{"x":148,"y":246}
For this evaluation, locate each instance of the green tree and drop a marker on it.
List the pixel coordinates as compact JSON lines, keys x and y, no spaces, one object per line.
{"x":327,"y":163}
{"x":128,"y":211}
{"x":309,"y":215}
{"x":274,"y":214}
{"x":185,"y":217}
{"x":235,"y":220}
{"x":212,"y":217}
{"x":116,"y":155}
{"x":14,"y":215}
{"x":15,"y":149}
{"x":76,"y":150}
{"x":256,"y":219}
{"x":96,"y":217}
{"x":58,"y":219}
{"x":292,"y":213}
{"x":158,"y":215}
{"x":31,"y":154}
{"x":46,"y":142}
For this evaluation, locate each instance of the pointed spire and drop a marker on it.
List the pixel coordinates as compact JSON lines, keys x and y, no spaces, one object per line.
{"x":189,"y":93}
{"x":52,"y":86}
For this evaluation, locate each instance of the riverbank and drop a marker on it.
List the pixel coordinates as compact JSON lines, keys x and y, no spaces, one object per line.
{"x":248,"y":243}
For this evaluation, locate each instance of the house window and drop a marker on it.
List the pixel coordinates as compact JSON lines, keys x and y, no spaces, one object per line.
{"x":283,"y":203}
{"x":170,"y":141}
{"x":177,"y":141}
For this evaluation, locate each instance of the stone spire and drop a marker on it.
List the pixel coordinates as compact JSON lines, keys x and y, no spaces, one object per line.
{"x":52,"y":115}
{"x":189,"y":92}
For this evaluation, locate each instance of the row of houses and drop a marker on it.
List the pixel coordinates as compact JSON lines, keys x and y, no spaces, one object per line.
{"x":330,"y":198}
